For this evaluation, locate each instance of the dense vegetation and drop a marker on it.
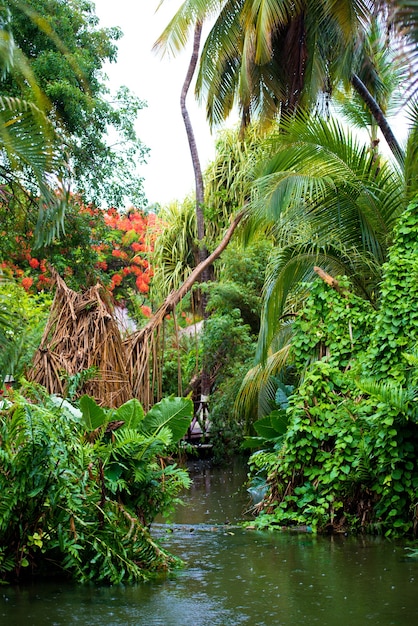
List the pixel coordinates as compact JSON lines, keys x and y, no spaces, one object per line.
{"x":81,"y":486}
{"x":63,"y":50}
{"x":308,"y":346}
{"x":346,"y":458}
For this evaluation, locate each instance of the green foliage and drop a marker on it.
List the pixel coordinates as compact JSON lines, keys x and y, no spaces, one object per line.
{"x":176,"y":250}
{"x":347,"y":460}
{"x":26,"y":317}
{"x":80,"y":488}
{"x":397,"y":321}
{"x":331,"y":202}
{"x":181,"y":359}
{"x":64,"y":52}
{"x":228,"y":177}
{"x":227,"y":350}
{"x":332,"y":324}
{"x":226,"y":342}
{"x":344,"y":464}
{"x":240,"y":284}
{"x":270,"y":430}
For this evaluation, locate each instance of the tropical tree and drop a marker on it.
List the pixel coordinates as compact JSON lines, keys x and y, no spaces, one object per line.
{"x":62,"y":51}
{"x":378,"y":65}
{"x":31,"y":164}
{"x":270,"y":56}
{"x":273,"y":58}
{"x":347,"y":457}
{"x":331,"y":202}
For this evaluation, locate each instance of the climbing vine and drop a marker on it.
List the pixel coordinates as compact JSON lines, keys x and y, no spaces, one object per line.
{"x":347,"y":460}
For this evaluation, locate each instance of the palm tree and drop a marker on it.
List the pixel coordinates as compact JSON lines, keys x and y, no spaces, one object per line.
{"x":331,"y":202}
{"x":270,"y":57}
{"x":383,"y":71}
{"x":402,"y":15}
{"x":274,"y":57}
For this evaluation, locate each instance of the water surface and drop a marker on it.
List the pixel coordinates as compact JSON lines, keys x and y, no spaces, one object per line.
{"x":233,"y":576}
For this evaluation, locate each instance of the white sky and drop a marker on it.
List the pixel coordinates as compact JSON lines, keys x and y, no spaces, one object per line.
{"x":168,"y":173}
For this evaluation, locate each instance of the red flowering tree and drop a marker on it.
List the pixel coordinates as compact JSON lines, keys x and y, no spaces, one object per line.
{"x":125,"y":253}
{"x":98,"y":244}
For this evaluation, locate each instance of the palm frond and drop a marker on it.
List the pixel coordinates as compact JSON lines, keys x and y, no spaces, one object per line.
{"x":175,"y":249}
{"x":392,"y":394}
{"x":411,"y":154}
{"x":176,"y":34}
{"x":246,"y":406}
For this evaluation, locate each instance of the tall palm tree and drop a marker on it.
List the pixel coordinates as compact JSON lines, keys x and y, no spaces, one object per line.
{"x":271,"y":58}
{"x":268,"y":56}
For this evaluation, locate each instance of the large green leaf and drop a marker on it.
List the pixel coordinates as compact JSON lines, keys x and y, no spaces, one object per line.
{"x":174,"y":413}
{"x":93,"y":415}
{"x":131,"y":413}
{"x":279,"y":421}
{"x":272,"y":426}
{"x":252,"y":443}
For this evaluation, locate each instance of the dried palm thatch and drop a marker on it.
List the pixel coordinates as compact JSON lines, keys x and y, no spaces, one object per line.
{"x":81,"y":333}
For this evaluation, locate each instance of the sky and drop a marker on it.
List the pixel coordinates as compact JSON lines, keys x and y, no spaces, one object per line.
{"x":168,"y":174}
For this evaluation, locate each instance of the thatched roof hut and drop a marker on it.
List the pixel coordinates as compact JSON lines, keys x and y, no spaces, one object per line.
{"x":82,"y":334}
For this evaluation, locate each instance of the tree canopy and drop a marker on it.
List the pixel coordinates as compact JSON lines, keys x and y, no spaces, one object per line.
{"x":62,"y":48}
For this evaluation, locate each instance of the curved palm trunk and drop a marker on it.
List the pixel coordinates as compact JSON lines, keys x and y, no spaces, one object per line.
{"x":200,"y":221}
{"x":379,"y":116}
{"x":192,"y":142}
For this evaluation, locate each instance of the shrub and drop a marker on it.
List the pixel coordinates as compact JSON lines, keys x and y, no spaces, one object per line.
{"x":80,"y":488}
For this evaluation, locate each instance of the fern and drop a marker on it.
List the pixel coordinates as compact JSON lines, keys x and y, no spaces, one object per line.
{"x":79,"y":491}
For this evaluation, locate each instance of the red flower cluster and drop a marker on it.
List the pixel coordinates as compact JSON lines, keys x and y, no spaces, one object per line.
{"x":27,"y":283}
{"x":120,"y":248}
{"x":132,"y":237}
{"x":34,"y":263}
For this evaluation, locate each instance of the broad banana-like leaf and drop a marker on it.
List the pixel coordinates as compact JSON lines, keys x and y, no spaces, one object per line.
{"x":279,"y":421}
{"x":131,"y":413}
{"x":174,"y":413}
{"x":253,"y":443}
{"x":93,"y":415}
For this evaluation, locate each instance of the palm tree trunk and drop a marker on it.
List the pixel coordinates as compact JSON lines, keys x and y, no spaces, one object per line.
{"x":200,"y":220}
{"x":379,"y":116}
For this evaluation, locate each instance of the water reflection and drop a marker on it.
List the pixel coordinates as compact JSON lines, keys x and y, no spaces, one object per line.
{"x":232,"y":576}
{"x":217,"y":495}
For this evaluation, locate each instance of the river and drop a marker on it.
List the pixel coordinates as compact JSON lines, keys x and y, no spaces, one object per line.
{"x":234,"y":576}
